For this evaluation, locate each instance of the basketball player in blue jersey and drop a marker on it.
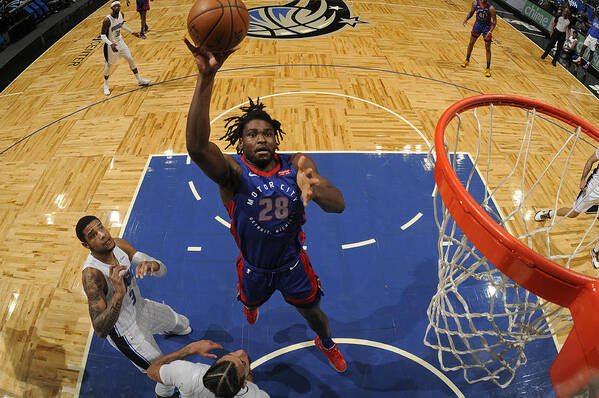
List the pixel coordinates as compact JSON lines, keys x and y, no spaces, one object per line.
{"x":590,"y":41}
{"x":265,"y":194}
{"x":486,"y":19}
{"x":142,"y":8}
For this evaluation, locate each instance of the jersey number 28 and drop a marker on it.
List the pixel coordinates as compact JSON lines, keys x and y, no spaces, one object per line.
{"x":281,"y":208}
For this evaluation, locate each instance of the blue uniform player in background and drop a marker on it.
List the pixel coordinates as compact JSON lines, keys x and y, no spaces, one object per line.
{"x":265,"y":194}
{"x":590,"y":41}
{"x":486,"y":19}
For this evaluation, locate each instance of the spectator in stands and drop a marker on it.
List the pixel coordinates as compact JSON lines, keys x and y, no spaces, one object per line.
{"x":590,"y":41}
{"x":558,"y":32}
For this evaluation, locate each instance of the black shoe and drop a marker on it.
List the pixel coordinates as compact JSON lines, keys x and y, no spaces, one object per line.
{"x":554,"y":64}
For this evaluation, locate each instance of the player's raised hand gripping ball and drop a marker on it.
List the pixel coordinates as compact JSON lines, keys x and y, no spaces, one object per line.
{"x":218,"y":25}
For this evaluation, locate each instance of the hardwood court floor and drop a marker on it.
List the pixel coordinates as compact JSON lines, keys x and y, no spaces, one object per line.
{"x":86,"y":159}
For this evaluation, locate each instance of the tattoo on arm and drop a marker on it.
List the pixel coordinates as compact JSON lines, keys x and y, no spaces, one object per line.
{"x":103,"y":315}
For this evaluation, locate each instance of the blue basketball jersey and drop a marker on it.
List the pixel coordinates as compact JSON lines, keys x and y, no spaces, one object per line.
{"x":594,"y":29}
{"x":267,"y":214}
{"x":483,"y":14}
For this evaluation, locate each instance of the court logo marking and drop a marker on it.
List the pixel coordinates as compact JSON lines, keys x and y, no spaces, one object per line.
{"x":301,"y":19}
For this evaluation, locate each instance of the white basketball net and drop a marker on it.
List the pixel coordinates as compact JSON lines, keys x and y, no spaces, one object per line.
{"x":479,"y":320}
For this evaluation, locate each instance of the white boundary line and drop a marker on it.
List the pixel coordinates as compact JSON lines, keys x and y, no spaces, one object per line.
{"x":412,"y":221}
{"x":68,"y":390}
{"x":84,"y":361}
{"x":193,"y":189}
{"x":581,"y":93}
{"x":222,"y":221}
{"x":141,"y":179}
{"x":358,"y":244}
{"x":8,"y":95}
{"x":368,"y":343}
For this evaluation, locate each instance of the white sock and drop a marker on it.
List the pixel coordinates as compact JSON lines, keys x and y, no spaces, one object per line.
{"x":138,"y":77}
{"x":105,"y":83}
{"x":550,"y":213}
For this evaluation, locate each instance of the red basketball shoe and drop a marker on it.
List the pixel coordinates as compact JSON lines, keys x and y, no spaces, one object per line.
{"x":250,"y":314}
{"x":333,"y":355}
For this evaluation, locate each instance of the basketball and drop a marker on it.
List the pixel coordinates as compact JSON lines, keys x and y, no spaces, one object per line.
{"x":218,"y":25}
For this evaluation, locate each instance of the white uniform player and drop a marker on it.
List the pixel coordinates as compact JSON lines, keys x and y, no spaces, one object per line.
{"x":126,"y":319}
{"x":588,"y":196}
{"x":114,"y":36}
{"x":228,"y":376}
{"x":187,"y":377}
{"x":114,"y":45}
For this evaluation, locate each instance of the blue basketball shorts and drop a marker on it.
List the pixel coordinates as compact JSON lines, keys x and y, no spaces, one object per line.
{"x":143,"y":5}
{"x":298,"y":283}
{"x":478,"y":29}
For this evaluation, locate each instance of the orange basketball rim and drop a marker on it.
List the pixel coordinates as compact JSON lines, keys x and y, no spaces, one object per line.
{"x":577,"y":364}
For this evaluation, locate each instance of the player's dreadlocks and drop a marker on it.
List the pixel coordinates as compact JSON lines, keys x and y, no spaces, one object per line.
{"x":235,"y":124}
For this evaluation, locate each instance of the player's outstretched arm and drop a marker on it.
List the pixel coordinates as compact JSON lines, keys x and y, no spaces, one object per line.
{"x":204,"y":153}
{"x":471,"y":13}
{"x":127,"y":28}
{"x":144,"y":264}
{"x":315,"y":187}
{"x":103,"y":315}
{"x":200,"y":347}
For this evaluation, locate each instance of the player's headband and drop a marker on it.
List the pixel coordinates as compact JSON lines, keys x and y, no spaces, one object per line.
{"x":114,"y":3}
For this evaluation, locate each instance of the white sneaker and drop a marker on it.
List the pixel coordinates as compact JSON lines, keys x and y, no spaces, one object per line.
{"x":143,"y":82}
{"x":106,"y":90}
{"x":595,"y":258}
{"x":542,"y":215}
{"x":183,"y":333}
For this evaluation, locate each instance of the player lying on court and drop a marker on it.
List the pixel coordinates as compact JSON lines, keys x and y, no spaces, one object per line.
{"x":118,"y":311}
{"x":261,"y":190}
{"x":228,"y":377}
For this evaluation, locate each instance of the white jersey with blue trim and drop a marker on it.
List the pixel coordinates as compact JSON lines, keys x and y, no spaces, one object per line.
{"x":187,"y":377}
{"x":132,"y":301}
{"x":114,"y":31}
{"x":593,"y":178}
